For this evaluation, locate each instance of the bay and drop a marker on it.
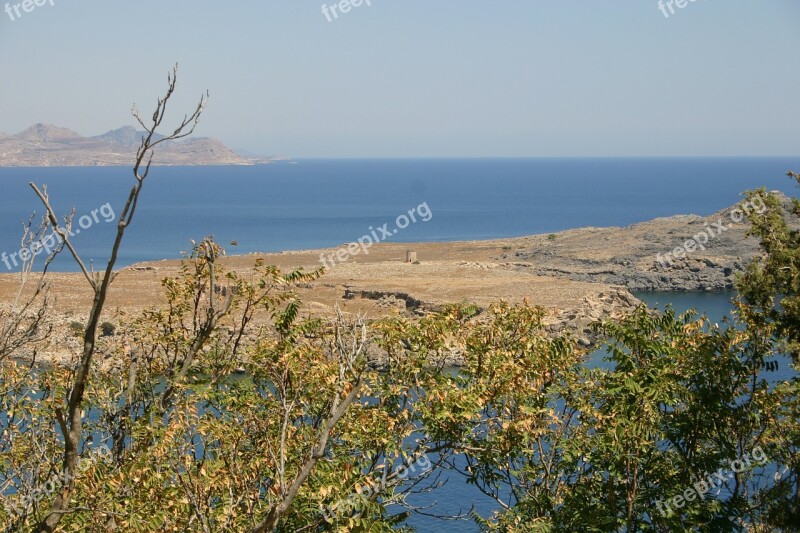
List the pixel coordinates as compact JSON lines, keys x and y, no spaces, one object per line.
{"x":319,"y":203}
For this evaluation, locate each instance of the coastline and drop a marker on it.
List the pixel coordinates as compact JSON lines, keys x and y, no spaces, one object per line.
{"x":376,"y":285}
{"x":578,"y":276}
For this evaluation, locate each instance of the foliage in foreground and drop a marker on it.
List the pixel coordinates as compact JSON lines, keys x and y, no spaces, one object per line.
{"x":228,"y":411}
{"x":561,"y":447}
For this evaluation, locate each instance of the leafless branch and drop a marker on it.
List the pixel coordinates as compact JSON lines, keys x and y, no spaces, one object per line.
{"x":23,"y":323}
{"x":100,"y":282}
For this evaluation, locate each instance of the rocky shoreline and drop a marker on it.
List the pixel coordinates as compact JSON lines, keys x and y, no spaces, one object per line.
{"x":578,"y":277}
{"x":635,"y":257}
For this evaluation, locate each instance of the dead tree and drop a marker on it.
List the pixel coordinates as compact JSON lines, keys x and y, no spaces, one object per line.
{"x":70,"y":417}
{"x":23,"y":322}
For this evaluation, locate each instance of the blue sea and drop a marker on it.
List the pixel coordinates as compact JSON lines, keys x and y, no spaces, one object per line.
{"x":319,"y":203}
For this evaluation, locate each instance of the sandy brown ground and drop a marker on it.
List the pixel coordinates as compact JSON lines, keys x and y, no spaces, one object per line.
{"x":446,"y":273}
{"x":378,"y":284}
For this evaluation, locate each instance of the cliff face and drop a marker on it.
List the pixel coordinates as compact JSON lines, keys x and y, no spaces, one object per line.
{"x":44,"y":145}
{"x":642,"y":257}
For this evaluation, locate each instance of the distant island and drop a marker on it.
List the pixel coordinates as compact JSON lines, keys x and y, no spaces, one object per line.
{"x":45,"y":145}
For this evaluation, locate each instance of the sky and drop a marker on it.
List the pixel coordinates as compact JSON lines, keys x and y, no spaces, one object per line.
{"x":420,"y":78}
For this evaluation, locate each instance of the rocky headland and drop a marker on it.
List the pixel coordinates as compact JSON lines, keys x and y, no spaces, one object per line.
{"x":636,"y":257}
{"x":578,"y":276}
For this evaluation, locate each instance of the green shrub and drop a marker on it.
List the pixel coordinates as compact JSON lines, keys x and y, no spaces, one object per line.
{"x":107,"y":329}
{"x":77,"y":328}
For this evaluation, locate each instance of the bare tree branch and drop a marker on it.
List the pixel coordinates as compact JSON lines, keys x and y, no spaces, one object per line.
{"x":23,"y":324}
{"x":73,"y":416}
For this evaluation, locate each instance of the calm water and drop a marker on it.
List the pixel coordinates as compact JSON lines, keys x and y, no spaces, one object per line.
{"x":457,"y":497}
{"x":320,"y":203}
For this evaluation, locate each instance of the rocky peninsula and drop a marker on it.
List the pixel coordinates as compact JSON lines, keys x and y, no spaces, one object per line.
{"x":577,"y":276}
{"x":712,"y":250}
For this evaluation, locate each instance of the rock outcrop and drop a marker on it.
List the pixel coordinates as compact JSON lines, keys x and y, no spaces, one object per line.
{"x":642,"y":257}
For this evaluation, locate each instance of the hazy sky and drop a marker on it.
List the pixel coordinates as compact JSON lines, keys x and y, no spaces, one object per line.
{"x":421,"y":78}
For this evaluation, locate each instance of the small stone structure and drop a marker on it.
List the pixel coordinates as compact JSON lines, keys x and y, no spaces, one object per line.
{"x":411,"y":256}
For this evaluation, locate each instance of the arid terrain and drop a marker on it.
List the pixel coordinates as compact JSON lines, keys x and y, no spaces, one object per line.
{"x":578,"y":276}
{"x":636,"y":256}
{"x":375,"y":285}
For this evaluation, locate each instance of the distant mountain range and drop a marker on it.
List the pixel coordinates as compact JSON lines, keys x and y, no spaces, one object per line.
{"x":45,"y":145}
